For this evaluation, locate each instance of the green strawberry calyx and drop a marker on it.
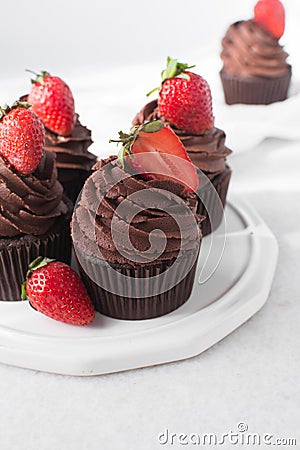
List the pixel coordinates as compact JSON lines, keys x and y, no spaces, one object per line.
{"x":174,"y":69}
{"x":6,"y":109}
{"x":36,"y":264}
{"x":39,"y":76}
{"x":128,"y":139}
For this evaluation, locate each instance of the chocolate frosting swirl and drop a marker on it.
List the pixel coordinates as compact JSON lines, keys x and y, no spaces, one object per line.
{"x":72,"y":151}
{"x":30,"y":204}
{"x":250,"y":51}
{"x":207,"y":151}
{"x":104,"y":192}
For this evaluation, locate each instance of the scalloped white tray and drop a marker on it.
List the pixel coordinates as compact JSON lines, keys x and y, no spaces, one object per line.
{"x":237,"y":289}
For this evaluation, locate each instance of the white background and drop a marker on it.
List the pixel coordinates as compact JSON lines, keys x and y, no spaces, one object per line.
{"x":111,"y":53}
{"x":75,"y":35}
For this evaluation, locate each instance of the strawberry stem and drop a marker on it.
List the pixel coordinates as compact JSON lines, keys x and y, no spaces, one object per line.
{"x":39,"y":262}
{"x":171,"y":69}
{"x":6,"y":108}
{"x":36,"y":264}
{"x":24,"y":295}
{"x":39,"y":76}
{"x":151,"y":92}
{"x":121,"y":155}
{"x":32,"y":71}
{"x":174,"y":69}
{"x":128,"y":139}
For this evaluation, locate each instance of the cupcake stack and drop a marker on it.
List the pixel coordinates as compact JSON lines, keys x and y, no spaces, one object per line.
{"x":34,"y":214}
{"x":185,"y":105}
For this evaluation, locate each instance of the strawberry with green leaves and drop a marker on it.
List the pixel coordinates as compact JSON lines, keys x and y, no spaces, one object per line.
{"x":22,"y":137}
{"x":185,"y":98}
{"x":52,"y":100}
{"x":157,"y":153}
{"x":270,"y":15}
{"x":54,"y":289}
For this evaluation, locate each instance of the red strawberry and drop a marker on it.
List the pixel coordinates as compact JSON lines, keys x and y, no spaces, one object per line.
{"x":161,"y":142}
{"x":54,"y":289}
{"x":22,"y":137}
{"x":270,"y":15}
{"x":185,"y":99}
{"x":52,"y":100}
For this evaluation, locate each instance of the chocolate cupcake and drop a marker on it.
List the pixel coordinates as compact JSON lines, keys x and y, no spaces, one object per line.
{"x":34,"y":221}
{"x":255,"y":69}
{"x":208,"y":153}
{"x":136,"y":238}
{"x":52,"y":100}
{"x":34,"y":216}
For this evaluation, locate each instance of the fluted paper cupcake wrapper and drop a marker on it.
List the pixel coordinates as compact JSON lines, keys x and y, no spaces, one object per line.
{"x":255,"y":91}
{"x":215,"y":208}
{"x":17,"y":253}
{"x":141,"y":305}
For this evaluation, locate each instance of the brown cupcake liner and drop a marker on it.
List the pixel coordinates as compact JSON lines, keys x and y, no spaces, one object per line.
{"x":255,"y":91}
{"x":17,"y":253}
{"x":72,"y":181}
{"x":213,"y":205}
{"x":142,"y":305}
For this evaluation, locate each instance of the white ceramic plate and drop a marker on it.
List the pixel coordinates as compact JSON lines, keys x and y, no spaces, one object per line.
{"x":237,"y":289}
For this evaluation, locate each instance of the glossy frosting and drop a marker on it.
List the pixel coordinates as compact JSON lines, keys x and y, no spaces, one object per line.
{"x":103,"y":193}
{"x":250,"y":51}
{"x":207,"y":151}
{"x":30,"y":204}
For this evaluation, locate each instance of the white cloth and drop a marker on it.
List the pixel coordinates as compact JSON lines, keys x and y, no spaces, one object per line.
{"x":248,"y":125}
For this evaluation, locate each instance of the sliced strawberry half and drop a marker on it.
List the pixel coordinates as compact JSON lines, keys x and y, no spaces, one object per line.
{"x":157,"y":153}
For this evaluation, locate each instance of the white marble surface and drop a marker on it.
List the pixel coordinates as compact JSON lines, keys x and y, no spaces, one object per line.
{"x":251,"y":376}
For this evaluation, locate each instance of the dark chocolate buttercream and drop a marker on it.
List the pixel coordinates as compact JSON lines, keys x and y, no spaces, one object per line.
{"x":103,"y":193}
{"x":30,"y":204}
{"x":71,"y":151}
{"x":251,"y":51}
{"x":207,"y":151}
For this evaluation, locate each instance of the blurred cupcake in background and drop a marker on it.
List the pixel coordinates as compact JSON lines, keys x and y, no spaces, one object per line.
{"x":255,"y":68}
